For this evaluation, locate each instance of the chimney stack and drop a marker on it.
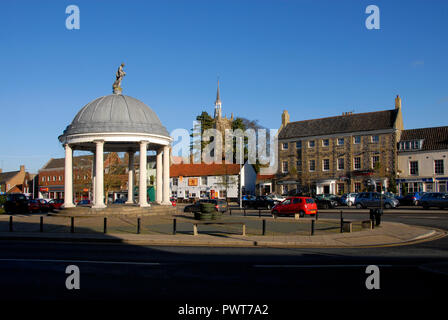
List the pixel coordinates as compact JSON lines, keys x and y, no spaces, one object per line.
{"x":22,"y":168}
{"x":285,"y":118}
{"x":1,"y":170}
{"x":398,"y":102}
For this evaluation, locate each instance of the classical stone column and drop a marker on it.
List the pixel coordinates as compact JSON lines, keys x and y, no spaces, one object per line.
{"x":68,"y":178}
{"x":93,"y":176}
{"x":131,"y":178}
{"x":142,"y":188}
{"x":166,"y":176}
{"x":159,"y":181}
{"x":99,"y":180}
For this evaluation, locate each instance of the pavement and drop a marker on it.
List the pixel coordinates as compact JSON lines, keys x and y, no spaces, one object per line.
{"x":388,"y":234}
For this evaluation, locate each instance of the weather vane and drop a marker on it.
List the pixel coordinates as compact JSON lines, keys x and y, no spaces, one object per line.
{"x":119,"y":76}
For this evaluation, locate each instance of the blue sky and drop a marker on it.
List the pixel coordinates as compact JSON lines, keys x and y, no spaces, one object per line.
{"x":314,"y":58}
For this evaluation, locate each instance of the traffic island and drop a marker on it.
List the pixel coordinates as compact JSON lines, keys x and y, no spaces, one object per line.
{"x":116,"y":209}
{"x":165,"y":230}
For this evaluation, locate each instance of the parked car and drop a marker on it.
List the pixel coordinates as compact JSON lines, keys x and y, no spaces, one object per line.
{"x":260,"y":202}
{"x":248,"y":197}
{"x":15,"y":203}
{"x":348,"y":199}
{"x":44,"y":205}
{"x":38,"y":205}
{"x":119,"y":201}
{"x":276,"y":197}
{"x":375,"y":200}
{"x":33,"y":205}
{"x":326,"y":202}
{"x":293,"y":205}
{"x":220,"y":205}
{"x":83,"y":203}
{"x":56,"y":204}
{"x":411,"y":199}
{"x":434,"y":199}
{"x":390,"y":195}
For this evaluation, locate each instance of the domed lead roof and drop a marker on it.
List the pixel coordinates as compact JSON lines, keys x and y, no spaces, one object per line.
{"x":116,"y":113}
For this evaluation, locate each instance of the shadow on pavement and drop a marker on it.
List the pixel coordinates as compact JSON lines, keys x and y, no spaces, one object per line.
{"x":35,"y":270}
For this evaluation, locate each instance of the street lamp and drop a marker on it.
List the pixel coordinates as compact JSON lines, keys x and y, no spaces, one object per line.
{"x":241,"y":180}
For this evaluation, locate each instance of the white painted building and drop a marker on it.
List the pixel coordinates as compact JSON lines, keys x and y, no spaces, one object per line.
{"x":211,"y":180}
{"x":423,"y":160}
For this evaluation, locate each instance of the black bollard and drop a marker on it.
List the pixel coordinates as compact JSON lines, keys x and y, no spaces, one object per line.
{"x":312,"y":227}
{"x":138,"y":225}
{"x":378,"y":214}
{"x":174,"y":226}
{"x":264,"y":226}
{"x":372,"y":217}
{"x":230,"y":211}
{"x":41,"y":228}
{"x":10,"y":224}
{"x":342,"y":222}
{"x":72,"y":225}
{"x":105,"y":225}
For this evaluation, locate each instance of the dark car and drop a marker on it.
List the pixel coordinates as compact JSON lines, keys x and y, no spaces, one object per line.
{"x":83,"y":203}
{"x":326,"y":202}
{"x":434,"y":199}
{"x":411,"y":199}
{"x":44,"y":205}
{"x":56,"y":204}
{"x":260,"y":202}
{"x":16,"y":202}
{"x":220,"y":205}
{"x":119,"y":201}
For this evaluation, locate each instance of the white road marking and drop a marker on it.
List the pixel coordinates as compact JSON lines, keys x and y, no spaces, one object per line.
{"x":82,"y":261}
{"x":299,"y":266}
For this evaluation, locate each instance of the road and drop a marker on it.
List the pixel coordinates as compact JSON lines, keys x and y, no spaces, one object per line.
{"x":36,"y":270}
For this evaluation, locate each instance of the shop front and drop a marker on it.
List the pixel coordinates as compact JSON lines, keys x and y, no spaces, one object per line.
{"x":422,"y":185}
{"x":51,"y":192}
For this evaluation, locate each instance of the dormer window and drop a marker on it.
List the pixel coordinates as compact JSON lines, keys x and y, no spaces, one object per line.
{"x":410,"y":145}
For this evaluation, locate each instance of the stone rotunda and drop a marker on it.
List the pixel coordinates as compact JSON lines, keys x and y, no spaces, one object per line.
{"x":118,"y":123}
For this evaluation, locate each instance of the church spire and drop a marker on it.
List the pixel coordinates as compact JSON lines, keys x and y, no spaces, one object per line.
{"x":218,"y":98}
{"x":218,"y":103}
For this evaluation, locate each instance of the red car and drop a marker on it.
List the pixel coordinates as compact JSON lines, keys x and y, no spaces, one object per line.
{"x":38,"y":205}
{"x":293,"y":205}
{"x":56,"y":204}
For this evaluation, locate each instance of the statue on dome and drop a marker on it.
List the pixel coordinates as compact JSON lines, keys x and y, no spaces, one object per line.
{"x":119,"y":76}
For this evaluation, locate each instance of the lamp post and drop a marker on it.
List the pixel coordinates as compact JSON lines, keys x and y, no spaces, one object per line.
{"x":241,"y":180}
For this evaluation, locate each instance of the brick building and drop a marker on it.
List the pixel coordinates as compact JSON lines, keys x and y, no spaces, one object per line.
{"x":338,"y":154}
{"x":16,"y":181}
{"x":51,"y":178}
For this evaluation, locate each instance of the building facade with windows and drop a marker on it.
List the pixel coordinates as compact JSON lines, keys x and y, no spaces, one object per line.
{"x":17,"y":182}
{"x":52,"y":175}
{"x":338,"y":154}
{"x":423,"y":160}
{"x":51,"y":178}
{"x":223,"y":181}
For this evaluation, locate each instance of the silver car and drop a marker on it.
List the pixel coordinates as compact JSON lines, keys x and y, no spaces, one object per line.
{"x":349,"y":199}
{"x":375,"y":200}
